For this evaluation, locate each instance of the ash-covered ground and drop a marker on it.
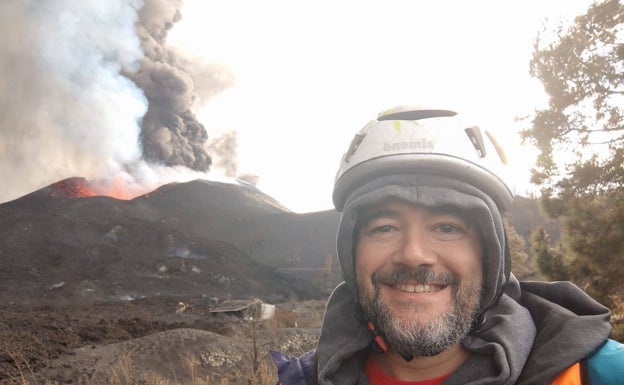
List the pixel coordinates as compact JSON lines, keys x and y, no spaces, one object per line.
{"x":102,"y":290}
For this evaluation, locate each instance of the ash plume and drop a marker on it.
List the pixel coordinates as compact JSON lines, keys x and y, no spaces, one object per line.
{"x":90,"y":88}
{"x":224,"y":147}
{"x":171,"y":133}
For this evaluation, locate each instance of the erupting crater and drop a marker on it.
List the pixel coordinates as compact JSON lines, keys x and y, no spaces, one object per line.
{"x":79,"y":187}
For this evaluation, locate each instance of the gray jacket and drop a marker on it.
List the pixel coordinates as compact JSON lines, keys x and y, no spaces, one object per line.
{"x":534,"y":332}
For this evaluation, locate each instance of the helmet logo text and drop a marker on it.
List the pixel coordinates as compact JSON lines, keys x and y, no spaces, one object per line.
{"x":419,"y":144}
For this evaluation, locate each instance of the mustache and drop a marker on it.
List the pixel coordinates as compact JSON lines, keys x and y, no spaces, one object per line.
{"x":421,"y":275}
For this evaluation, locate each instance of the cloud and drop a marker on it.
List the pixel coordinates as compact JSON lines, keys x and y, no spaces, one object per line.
{"x":90,"y":89}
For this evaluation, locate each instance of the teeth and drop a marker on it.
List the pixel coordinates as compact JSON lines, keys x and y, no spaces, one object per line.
{"x":410,"y":288}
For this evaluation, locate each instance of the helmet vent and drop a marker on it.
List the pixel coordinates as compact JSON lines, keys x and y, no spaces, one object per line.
{"x":474,"y":133}
{"x":415,"y":114}
{"x":355,"y":143}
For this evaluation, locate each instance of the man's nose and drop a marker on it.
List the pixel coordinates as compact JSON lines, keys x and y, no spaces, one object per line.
{"x":416,"y":249}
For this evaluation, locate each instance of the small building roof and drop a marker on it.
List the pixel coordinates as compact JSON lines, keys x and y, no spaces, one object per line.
{"x":232,"y":305}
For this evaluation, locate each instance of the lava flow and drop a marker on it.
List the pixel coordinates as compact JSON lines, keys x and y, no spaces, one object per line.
{"x":77,"y":187}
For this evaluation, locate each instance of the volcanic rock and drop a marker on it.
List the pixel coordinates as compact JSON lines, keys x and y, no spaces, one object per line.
{"x":200,"y":238}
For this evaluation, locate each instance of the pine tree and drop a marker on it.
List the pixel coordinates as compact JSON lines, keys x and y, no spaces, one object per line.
{"x":550,"y":263}
{"x":580,"y":136}
{"x":520,"y":265}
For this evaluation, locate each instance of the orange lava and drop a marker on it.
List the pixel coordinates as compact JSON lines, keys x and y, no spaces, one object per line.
{"x":81,"y":188}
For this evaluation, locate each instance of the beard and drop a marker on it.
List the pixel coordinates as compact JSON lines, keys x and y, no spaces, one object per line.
{"x":411,"y":331}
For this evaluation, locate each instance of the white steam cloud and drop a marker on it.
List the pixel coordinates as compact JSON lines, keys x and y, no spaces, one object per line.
{"x":89,"y":88}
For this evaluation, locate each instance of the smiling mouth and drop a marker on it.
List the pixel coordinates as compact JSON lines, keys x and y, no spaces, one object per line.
{"x":417,"y":288}
{"x":420,"y":280}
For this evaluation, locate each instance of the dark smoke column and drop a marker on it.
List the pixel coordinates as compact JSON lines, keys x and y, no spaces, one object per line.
{"x":171,"y":134}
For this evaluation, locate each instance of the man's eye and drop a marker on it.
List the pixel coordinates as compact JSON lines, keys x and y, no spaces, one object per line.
{"x":382,"y":229}
{"x":450,"y":230}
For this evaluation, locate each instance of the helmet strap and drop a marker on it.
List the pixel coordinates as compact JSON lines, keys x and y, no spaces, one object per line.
{"x":380,"y":344}
{"x":379,"y":340}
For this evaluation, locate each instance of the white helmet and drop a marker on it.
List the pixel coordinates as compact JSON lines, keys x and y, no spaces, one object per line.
{"x":407,"y":140}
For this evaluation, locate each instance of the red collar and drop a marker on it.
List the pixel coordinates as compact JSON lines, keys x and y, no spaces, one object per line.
{"x":377,"y":377}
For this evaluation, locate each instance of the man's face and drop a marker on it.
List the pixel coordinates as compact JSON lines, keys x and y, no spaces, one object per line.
{"x":419,"y":275}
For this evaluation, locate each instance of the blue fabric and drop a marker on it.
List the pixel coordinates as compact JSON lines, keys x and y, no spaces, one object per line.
{"x":606,"y":365}
{"x":293,"y":370}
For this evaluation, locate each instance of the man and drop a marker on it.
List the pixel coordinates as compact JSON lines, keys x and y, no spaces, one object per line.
{"x":428,"y":296}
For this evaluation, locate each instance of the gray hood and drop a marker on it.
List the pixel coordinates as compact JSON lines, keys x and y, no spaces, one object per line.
{"x":500,"y":345}
{"x":432,"y":191}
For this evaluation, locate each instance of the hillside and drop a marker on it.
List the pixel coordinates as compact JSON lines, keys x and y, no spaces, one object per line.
{"x":525,"y":216}
{"x":174,"y":241}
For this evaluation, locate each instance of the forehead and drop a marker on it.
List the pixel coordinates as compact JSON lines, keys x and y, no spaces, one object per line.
{"x":399,"y":207}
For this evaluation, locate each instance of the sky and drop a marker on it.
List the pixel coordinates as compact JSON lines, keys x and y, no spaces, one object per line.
{"x":308,"y":75}
{"x":134,"y":94}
